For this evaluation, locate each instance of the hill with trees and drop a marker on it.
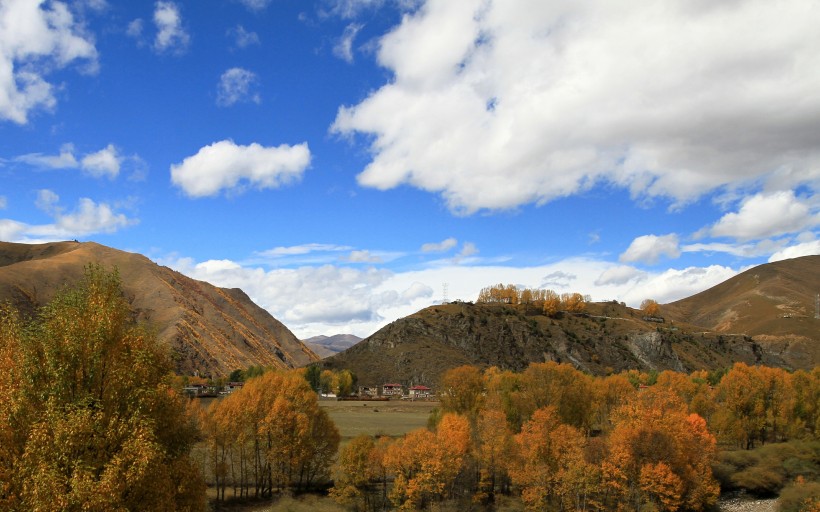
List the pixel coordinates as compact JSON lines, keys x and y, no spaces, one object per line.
{"x":211,"y":330}
{"x":765,"y":315}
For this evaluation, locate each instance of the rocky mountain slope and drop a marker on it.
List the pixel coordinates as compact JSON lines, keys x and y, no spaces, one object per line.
{"x":211,"y":330}
{"x":609,"y":337}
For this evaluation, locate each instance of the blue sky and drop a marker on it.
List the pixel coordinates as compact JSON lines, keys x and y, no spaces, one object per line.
{"x":347,"y":162}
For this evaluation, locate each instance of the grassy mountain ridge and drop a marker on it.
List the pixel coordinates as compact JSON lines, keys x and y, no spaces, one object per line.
{"x":773,"y":303}
{"x":211,"y":330}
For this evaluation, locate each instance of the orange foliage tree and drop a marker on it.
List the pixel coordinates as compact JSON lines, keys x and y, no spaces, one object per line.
{"x":90,"y":420}
{"x":659,"y":455}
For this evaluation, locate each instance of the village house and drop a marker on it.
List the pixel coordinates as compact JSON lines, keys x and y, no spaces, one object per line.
{"x":420,"y":392}
{"x":392,"y":390}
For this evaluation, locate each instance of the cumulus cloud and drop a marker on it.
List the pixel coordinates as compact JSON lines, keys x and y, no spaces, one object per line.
{"x":795,"y":251}
{"x":443,"y":246}
{"x":105,"y":162}
{"x":88,"y":218}
{"x":102,"y":163}
{"x":766,"y":215}
{"x":37,"y":38}
{"x":650,"y":248}
{"x":171,"y":35}
{"x":619,"y":275}
{"x":498,"y":104}
{"x":236,"y":86}
{"x":344,"y":46}
{"x":135,"y":28}
{"x":225,"y":165}
{"x":242,"y":37}
{"x":676,"y":284}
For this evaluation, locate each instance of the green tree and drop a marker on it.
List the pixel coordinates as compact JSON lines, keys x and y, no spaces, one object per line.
{"x":93,"y":422}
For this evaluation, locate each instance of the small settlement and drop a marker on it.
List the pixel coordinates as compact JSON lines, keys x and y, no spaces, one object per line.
{"x":391,"y":391}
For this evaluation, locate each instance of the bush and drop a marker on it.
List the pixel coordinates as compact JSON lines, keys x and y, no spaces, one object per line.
{"x":799,"y":497}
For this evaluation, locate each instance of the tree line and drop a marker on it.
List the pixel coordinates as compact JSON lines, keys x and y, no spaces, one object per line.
{"x":564,"y":440}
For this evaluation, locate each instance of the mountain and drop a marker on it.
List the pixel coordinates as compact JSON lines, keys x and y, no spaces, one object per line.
{"x":326,"y":346}
{"x":762,"y":316}
{"x":609,"y":337}
{"x":211,"y":330}
{"x":773,"y":303}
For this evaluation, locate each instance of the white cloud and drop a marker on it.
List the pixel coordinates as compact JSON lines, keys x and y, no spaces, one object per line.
{"x":105,"y":162}
{"x":650,"y":248}
{"x":35,"y":39}
{"x":498,"y":104}
{"x":171,"y":35}
{"x":65,"y":160}
{"x":674,"y":284}
{"x":766,"y":215}
{"x":255,"y":5}
{"x":235,"y":86}
{"x":344,"y":46}
{"x":557,"y":279}
{"x":88,"y":218}
{"x":468,"y":249}
{"x":362,"y":257}
{"x":225,"y":165}
{"x":796,"y":251}
{"x":47,"y":201}
{"x":242,"y":37}
{"x":443,"y":246}
{"x":4,"y":202}
{"x":619,"y":275}
{"x":135,"y":28}
{"x":761,"y":248}
{"x":298,"y":250}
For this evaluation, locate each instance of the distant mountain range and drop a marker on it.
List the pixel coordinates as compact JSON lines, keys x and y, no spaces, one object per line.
{"x":326,"y":346}
{"x":763,"y":316}
{"x":212,"y":330}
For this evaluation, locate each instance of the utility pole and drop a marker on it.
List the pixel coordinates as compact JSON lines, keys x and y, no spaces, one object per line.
{"x":444,"y":300}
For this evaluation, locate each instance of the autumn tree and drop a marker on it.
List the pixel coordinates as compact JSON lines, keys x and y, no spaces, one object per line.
{"x":277,"y":434}
{"x":552,"y":303}
{"x":549,"y":466}
{"x":650,"y":307}
{"x":462,"y":391}
{"x":573,"y":302}
{"x":92,"y":422}
{"x":360,"y":465}
{"x":494,"y":443}
{"x":660,"y":456}
{"x":426,"y":464}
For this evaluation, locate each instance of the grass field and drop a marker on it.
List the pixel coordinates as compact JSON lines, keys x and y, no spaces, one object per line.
{"x":394,"y":418}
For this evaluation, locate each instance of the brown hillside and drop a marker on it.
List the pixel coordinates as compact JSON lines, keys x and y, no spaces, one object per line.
{"x":611,"y":338}
{"x":211,"y":330}
{"x":774,"y":303}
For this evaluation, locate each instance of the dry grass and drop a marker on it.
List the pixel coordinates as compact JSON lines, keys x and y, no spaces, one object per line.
{"x":394,"y":418}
